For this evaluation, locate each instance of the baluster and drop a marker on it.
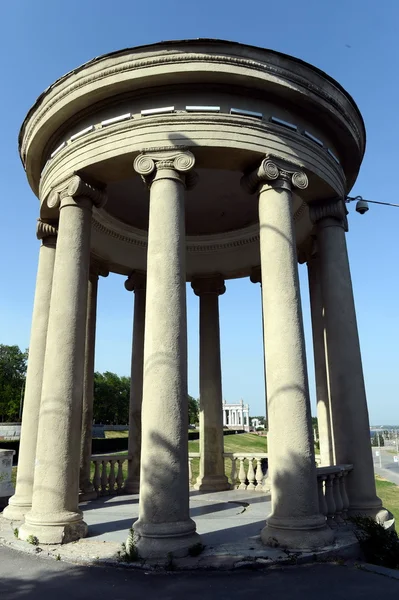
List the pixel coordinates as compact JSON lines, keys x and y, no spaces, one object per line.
{"x":190,"y":470}
{"x":111,"y":478}
{"x":322,"y":500}
{"x":119,"y":475}
{"x":259,"y":475}
{"x":242,"y":475}
{"x":330,"y":498}
{"x":96,"y":476}
{"x":251,"y":474}
{"x":337,"y":498}
{"x":344,"y":495}
{"x":104,"y":478}
{"x":233,"y":474}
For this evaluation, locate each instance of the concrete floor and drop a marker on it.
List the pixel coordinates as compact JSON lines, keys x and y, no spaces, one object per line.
{"x":229,"y":523}
{"x":222,"y":518}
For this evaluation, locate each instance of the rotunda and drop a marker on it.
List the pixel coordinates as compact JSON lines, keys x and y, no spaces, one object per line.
{"x":192,"y":161}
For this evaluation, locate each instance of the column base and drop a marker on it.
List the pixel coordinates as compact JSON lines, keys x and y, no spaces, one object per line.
{"x":378,"y":513}
{"x":132,"y":486}
{"x":55,"y":529}
{"x":87,"y":491}
{"x":297,"y":534}
{"x":85,"y":496}
{"x":16,"y":509}
{"x":162,"y":540}
{"x":212,"y":483}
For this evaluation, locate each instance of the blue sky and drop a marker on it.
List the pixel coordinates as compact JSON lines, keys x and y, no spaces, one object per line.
{"x":354,"y":41}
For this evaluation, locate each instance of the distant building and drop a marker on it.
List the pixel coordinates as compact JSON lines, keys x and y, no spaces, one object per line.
{"x":236,"y":416}
{"x":255,"y":423}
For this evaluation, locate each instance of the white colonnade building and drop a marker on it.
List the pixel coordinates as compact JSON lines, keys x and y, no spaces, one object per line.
{"x":236,"y":416}
{"x":192,"y":161}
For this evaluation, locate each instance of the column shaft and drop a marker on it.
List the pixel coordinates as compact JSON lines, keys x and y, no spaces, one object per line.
{"x":295,"y":521}
{"x":137,"y":283}
{"x":86,"y":489}
{"x":320,"y":363}
{"x":21,"y":502}
{"x":348,"y":396}
{"x":164,"y":524}
{"x":55,"y":517}
{"x":211,"y":476}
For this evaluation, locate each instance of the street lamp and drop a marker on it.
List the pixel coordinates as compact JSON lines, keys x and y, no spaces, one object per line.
{"x":362,"y":206}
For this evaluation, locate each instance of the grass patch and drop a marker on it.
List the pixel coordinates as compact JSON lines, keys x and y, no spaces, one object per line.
{"x":389,"y":494}
{"x":242,"y":442}
{"x":116,"y":434}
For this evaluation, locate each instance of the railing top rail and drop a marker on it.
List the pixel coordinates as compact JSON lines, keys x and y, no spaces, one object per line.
{"x":194,"y":455}
{"x":333,"y":469}
{"x":245,"y":455}
{"x":97,"y":457}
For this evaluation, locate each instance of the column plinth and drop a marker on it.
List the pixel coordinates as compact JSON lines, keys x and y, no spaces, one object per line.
{"x":20,"y":503}
{"x":212,"y":476}
{"x":348,"y":401}
{"x":295,"y":521}
{"x":136,"y":283}
{"x":55,"y":517}
{"x":164,"y":525}
{"x":86,"y":489}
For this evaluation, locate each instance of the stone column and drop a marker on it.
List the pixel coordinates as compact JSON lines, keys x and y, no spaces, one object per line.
{"x":20,"y":503}
{"x":256,"y":277}
{"x":349,"y":413}
{"x":136,"y":283}
{"x":320,"y":365}
{"x":164,"y":525}
{"x":55,"y":517}
{"x":86,"y":489}
{"x":295,"y":521}
{"x":211,"y":476}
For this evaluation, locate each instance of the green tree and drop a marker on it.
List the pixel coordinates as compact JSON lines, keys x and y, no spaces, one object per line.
{"x":374,"y":439}
{"x":13,"y":363}
{"x":193,"y":411}
{"x":111,"y":398}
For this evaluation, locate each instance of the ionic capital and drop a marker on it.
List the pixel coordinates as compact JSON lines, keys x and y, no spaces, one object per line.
{"x":277,"y":173}
{"x":166,"y":164}
{"x":323,"y":212}
{"x":45,"y":230}
{"x":135,"y":282}
{"x":97,"y":270}
{"x":77,"y":189}
{"x":213,"y":284}
{"x":256,"y":275}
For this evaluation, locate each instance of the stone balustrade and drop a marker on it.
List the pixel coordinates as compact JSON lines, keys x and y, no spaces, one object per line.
{"x":245,"y":471}
{"x":109,"y":473}
{"x":333,"y":498}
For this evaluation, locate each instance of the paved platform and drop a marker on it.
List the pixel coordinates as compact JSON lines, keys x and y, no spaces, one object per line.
{"x":222,"y":518}
{"x":229,"y":524}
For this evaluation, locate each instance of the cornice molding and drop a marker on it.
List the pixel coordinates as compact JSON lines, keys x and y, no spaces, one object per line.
{"x":317,"y":158}
{"x":107,"y":225}
{"x":48,"y":103}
